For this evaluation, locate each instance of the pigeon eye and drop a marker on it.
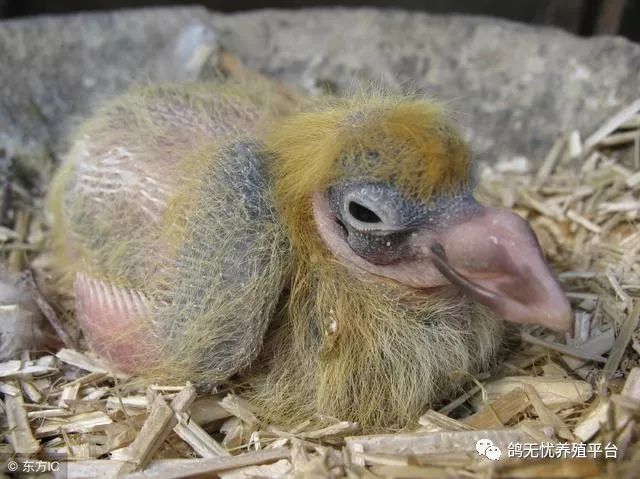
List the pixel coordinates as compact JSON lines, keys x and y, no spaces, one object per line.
{"x":362,"y":213}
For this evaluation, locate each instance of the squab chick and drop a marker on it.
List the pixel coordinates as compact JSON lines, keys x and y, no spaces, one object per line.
{"x":332,"y":255}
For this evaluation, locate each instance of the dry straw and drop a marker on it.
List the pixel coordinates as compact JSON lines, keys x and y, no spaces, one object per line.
{"x":584,"y":204}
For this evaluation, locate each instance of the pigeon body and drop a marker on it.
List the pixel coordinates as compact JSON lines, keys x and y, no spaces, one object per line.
{"x":330,"y":255}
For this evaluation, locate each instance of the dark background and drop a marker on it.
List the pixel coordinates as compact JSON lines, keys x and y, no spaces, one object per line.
{"x":584,"y":17}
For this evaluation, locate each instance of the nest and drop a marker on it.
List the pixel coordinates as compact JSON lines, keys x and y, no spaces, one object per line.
{"x":558,"y":406}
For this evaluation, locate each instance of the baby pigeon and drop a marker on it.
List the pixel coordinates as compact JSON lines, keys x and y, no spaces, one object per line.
{"x":330,"y":255}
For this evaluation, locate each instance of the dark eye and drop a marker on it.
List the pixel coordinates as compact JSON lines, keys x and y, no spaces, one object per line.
{"x":362,"y":213}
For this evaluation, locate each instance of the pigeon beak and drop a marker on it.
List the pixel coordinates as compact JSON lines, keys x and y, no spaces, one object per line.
{"x":494,"y":257}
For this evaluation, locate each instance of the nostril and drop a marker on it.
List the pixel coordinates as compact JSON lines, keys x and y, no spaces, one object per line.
{"x":362,"y":213}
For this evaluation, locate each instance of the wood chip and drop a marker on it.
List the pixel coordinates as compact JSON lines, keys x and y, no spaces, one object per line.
{"x":612,"y":124}
{"x":619,"y":139}
{"x":238,"y":407}
{"x":547,"y":417}
{"x":590,"y":423}
{"x":85,"y":422}
{"x":582,"y":221}
{"x":631,"y":387}
{"x":26,"y":369}
{"x":69,"y":393}
{"x":554,"y":392}
{"x":175,"y":468}
{"x":94,"y":377}
{"x":460,"y":400}
{"x":632,"y":123}
{"x":31,"y":391}
{"x":198,"y":438}
{"x":159,"y":423}
{"x":622,"y":341}
{"x":9,"y":389}
{"x":208,"y":410}
{"x":574,"y":144}
{"x":20,"y":435}
{"x":555,"y":468}
{"x":549,"y":163}
{"x":411,"y":472}
{"x":130,"y":404}
{"x":500,"y":411}
{"x":47,"y":413}
{"x":341,"y":428}
{"x":58,"y":326}
{"x":86,"y":362}
{"x":574,"y":351}
{"x":281,"y":469}
{"x":433,"y":421}
{"x":405,"y":444}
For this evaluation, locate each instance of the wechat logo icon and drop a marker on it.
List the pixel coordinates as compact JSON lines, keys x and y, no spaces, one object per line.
{"x":486,"y":448}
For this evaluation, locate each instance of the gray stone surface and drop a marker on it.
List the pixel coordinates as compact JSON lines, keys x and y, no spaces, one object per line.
{"x":512,"y":86}
{"x":54,"y":69}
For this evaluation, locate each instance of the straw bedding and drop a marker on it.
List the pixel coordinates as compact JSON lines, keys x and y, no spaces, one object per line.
{"x":554,"y":398}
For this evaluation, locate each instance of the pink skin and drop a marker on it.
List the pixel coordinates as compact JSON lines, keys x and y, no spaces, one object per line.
{"x":492,"y":255}
{"x":113,"y":322}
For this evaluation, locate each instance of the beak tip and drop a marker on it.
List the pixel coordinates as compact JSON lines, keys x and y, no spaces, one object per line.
{"x":561,"y":319}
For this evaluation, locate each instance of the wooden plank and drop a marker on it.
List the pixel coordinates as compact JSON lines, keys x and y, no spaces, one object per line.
{"x":610,"y":17}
